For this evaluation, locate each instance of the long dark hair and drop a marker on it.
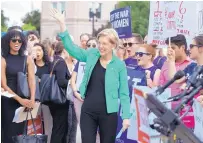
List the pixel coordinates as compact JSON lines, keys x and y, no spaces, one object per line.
{"x":45,"y":57}
{"x":5,"y":43}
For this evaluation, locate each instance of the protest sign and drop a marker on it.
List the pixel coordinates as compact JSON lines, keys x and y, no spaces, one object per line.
{"x":81,"y":71}
{"x":198,"y":115}
{"x":142,"y":114}
{"x":121,"y":21}
{"x":200,"y":17}
{"x":156,"y":25}
{"x":170,"y":15}
{"x":166,"y":16}
{"x":134,"y":78}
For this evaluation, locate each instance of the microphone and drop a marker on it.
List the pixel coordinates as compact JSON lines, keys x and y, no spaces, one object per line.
{"x":193,"y":78}
{"x":177,"y":76}
{"x":179,"y":96}
{"x":190,"y":96}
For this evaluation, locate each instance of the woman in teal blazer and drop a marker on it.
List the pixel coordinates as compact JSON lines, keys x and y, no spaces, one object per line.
{"x":104,"y":82}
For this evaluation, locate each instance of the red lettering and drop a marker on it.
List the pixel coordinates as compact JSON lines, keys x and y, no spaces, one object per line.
{"x":171,"y":14}
{"x":157,"y":13}
{"x":171,"y":25}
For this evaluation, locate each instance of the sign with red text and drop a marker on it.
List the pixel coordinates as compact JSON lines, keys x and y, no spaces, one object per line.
{"x":142,"y":114}
{"x":168,"y":18}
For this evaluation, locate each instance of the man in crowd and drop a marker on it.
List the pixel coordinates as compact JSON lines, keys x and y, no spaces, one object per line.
{"x":179,"y":45}
{"x":131,"y":45}
{"x":84,"y":37}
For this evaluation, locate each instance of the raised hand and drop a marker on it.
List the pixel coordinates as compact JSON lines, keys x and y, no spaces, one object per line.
{"x":171,"y":55}
{"x":57,"y":15}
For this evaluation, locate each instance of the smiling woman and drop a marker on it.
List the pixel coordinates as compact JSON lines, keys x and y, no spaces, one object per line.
{"x":104,"y":82}
{"x":13,"y":61}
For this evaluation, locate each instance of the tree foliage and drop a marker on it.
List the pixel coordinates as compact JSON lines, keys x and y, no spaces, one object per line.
{"x":108,"y":25}
{"x":33,"y":18}
{"x":28,"y":27}
{"x":140,"y":15}
{"x":4,"y":21}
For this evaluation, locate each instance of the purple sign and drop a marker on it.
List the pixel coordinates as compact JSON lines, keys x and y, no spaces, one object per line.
{"x":135,"y":77}
{"x":121,"y":21}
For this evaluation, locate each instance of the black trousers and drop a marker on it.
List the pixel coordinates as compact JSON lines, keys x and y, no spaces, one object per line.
{"x":9,"y":129}
{"x":59,"y":114}
{"x":89,"y":123}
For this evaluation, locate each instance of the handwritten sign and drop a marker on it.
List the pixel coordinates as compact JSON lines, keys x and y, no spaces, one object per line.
{"x":121,"y":21}
{"x":168,"y":18}
{"x":170,"y":15}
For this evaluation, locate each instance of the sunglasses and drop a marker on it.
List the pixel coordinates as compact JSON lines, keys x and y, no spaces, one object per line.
{"x":140,"y":54}
{"x":192,"y":45}
{"x":129,"y":44}
{"x":15,"y":40}
{"x":91,"y":45}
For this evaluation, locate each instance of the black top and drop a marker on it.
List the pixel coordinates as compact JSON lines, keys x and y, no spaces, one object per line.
{"x":95,"y":100}
{"x":45,"y":69}
{"x":14,"y":64}
{"x":61,"y":72}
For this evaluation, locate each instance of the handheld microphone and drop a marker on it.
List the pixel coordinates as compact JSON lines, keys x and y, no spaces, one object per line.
{"x":177,"y":76}
{"x":179,"y":96}
{"x":190,"y":96}
{"x":193,"y":78}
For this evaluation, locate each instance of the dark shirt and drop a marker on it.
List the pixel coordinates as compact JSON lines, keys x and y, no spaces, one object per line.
{"x":159,"y":61}
{"x":190,"y":69}
{"x":61,"y":72}
{"x":131,"y":63}
{"x":45,"y":69}
{"x":151,"y":69}
{"x":95,"y":100}
{"x":14,"y":64}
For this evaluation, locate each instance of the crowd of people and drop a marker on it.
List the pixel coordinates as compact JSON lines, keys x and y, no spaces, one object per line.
{"x":95,"y":71}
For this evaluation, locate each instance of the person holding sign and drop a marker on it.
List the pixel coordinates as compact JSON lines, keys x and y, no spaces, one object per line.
{"x":145,"y":56}
{"x":196,"y":54}
{"x":104,"y":81}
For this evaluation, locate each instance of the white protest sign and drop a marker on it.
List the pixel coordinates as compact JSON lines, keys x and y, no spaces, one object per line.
{"x":141,"y":114}
{"x":139,"y":129}
{"x":198,"y":115}
{"x":167,"y":16}
{"x":170,"y":14}
{"x":80,"y":73}
{"x":156,"y":17}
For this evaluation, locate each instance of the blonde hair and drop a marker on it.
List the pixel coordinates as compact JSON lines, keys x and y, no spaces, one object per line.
{"x":111,"y":34}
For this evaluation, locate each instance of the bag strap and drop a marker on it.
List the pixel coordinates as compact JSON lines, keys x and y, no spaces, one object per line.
{"x":54,"y":67}
{"x":26,"y":123}
{"x":25,"y":65}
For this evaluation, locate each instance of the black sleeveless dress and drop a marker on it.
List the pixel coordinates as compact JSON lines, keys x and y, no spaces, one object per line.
{"x":14,"y":64}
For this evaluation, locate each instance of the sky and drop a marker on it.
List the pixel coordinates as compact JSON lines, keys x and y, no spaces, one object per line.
{"x":16,"y":10}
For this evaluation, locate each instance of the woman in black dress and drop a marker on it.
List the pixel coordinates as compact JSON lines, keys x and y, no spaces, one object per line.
{"x":12,"y":62}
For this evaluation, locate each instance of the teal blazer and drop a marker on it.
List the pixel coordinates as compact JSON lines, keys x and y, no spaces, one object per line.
{"x":116,"y":82}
